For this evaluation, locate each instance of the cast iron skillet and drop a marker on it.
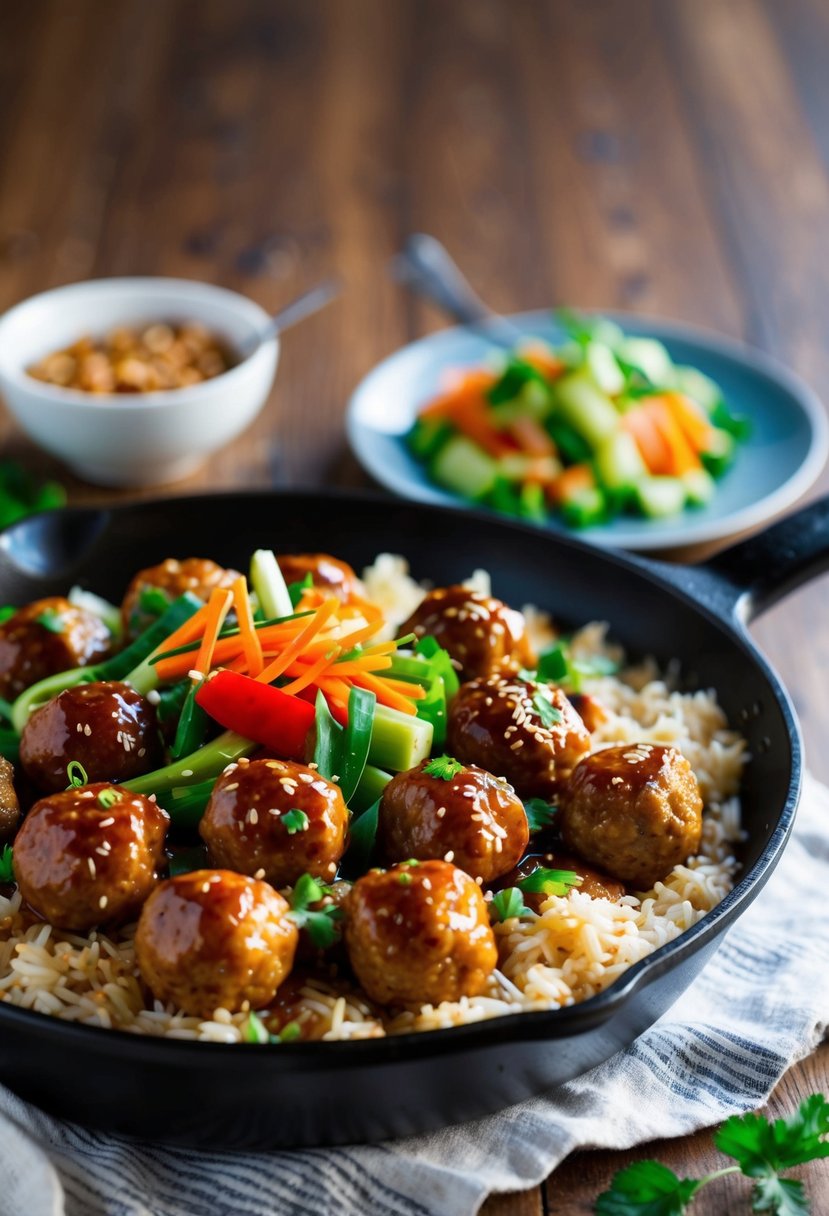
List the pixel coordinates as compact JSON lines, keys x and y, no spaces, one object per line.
{"x":314,"y":1094}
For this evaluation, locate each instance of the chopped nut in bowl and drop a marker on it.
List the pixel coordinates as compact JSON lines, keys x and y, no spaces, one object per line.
{"x":134,"y":382}
{"x":144,"y":359}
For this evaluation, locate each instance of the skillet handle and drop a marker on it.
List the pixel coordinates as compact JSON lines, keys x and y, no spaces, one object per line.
{"x":745,"y":580}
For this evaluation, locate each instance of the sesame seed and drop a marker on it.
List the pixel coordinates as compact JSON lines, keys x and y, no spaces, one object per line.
{"x":87,"y":730}
{"x":260,"y":873}
{"x":253,"y":815}
{"x":105,"y":823}
{"x":234,"y":785}
{"x":187,"y":772}
{"x":91,"y":865}
{"x":205,"y":887}
{"x":79,"y":727}
{"x":440,"y":812}
{"x":103,"y":901}
{"x":450,"y":856}
{"x":516,"y":745}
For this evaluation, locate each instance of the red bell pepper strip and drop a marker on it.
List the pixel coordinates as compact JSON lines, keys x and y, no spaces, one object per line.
{"x":259,"y":712}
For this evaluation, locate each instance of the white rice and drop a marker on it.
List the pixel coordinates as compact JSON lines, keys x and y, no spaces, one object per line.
{"x":574,"y":948}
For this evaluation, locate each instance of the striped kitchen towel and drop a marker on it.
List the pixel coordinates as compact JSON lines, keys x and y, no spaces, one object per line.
{"x":761,"y":1004}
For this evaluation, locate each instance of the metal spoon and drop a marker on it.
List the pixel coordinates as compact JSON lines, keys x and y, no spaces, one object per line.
{"x":300,"y":308}
{"x":426,"y":267}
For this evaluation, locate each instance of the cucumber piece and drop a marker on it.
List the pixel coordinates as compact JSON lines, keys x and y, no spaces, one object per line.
{"x":660,"y":497}
{"x":601,"y":362}
{"x":586,"y":408}
{"x":369,"y":788}
{"x":720,"y":455}
{"x":532,"y":503}
{"x":698,"y":386}
{"x":699,"y":487}
{"x":269,"y":585}
{"x":428,"y":436}
{"x":651,"y":358}
{"x":399,"y":741}
{"x":585,"y":509}
{"x":462,"y":466}
{"x":618,"y":463}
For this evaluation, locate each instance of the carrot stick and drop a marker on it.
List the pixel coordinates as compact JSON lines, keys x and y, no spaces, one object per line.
{"x":469,"y":387}
{"x":572,"y":481}
{"x":217,"y":609}
{"x":691,"y":420}
{"x":296,"y":647}
{"x":374,"y":662}
{"x":653,"y":449}
{"x":683,"y":457}
{"x":251,"y":642}
{"x":349,"y":640}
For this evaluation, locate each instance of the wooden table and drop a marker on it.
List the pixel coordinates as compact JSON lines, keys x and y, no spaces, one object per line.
{"x":664,"y":156}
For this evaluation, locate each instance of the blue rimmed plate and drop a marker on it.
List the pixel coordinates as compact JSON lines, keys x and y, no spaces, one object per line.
{"x":782,"y":457}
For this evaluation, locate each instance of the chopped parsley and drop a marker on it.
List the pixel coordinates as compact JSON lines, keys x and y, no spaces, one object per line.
{"x":51,"y":620}
{"x":320,"y":923}
{"x":547,"y":712}
{"x":76,"y":775}
{"x":549,"y":882}
{"x":507,"y":904}
{"x":559,"y":666}
{"x":762,"y":1151}
{"x":404,"y":878}
{"x":295,"y":821}
{"x":7,"y":611}
{"x":108,"y":798}
{"x":7,"y":864}
{"x":443,"y":767}
{"x":540,"y":814}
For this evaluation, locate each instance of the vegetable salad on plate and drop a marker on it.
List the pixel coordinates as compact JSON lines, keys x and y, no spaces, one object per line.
{"x":601,"y":425}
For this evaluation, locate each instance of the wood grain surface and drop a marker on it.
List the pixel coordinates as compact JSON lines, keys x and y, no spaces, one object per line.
{"x":664,"y":156}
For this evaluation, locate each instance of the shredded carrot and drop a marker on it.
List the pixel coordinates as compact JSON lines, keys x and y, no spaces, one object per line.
{"x":311,"y":673}
{"x":186,"y":633}
{"x":355,"y":636}
{"x":374,"y":662}
{"x":386,"y":695}
{"x":370,"y":611}
{"x":217,"y":609}
{"x":278,"y":665}
{"x":251,"y":642}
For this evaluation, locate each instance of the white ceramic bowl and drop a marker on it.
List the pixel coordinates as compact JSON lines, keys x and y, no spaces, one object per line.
{"x":142,"y":439}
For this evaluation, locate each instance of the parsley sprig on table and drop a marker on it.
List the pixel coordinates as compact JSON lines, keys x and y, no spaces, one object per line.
{"x":762,"y":1150}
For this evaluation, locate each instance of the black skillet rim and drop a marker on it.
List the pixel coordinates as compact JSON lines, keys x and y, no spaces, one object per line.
{"x":548,"y":1024}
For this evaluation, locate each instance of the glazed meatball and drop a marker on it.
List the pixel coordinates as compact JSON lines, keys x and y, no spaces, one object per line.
{"x":481,"y":634}
{"x":326,"y":572}
{"x":9,"y":803}
{"x":635,"y":811}
{"x":277,"y":817}
{"x":589,"y":708}
{"x":46,"y":637}
{"x":593,"y":882}
{"x":107,"y":727}
{"x":215,"y":939}
{"x":527,"y":732}
{"x":474,"y":819}
{"x":197,"y":575}
{"x":419,"y":934}
{"x":88,"y":856}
